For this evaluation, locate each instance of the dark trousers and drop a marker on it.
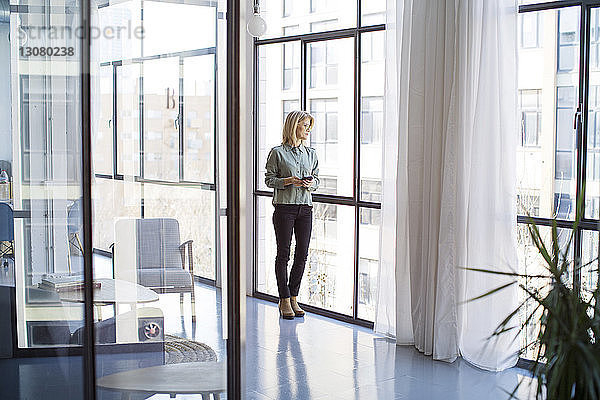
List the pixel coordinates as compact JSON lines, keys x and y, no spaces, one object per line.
{"x":288,"y":218}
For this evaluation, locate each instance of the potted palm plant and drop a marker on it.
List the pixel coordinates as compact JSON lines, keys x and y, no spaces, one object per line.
{"x":566,"y":361}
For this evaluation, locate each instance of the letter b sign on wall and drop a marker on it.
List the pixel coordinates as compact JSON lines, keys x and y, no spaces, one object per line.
{"x":171,"y":99}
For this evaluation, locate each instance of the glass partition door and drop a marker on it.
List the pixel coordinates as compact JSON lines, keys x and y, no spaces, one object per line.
{"x":155,"y":207}
{"x":41,"y":155}
{"x":154,"y":174}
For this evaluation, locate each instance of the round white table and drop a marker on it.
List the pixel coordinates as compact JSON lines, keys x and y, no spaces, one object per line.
{"x":204,"y":378}
{"x":113,"y":291}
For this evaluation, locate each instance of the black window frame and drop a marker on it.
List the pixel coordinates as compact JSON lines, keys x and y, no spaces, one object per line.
{"x":354,"y":200}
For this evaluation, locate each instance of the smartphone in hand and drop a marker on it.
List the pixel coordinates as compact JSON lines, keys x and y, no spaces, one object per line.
{"x":307,"y":178}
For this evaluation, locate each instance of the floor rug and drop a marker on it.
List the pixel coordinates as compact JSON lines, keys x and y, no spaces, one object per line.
{"x":181,"y":350}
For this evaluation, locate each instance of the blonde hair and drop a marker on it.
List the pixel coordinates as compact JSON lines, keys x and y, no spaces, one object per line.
{"x":291,"y":122}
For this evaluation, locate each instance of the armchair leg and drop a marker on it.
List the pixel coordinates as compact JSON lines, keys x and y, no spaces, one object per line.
{"x":193,"y":306}
{"x":69,"y":255}
{"x":181,"y":304}
{"x":79,"y":245}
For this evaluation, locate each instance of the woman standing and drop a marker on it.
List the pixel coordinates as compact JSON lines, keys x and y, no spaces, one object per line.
{"x":293,"y":172}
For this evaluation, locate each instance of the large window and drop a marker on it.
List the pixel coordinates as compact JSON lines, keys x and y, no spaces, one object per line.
{"x":557,"y":161}
{"x":339,"y":80}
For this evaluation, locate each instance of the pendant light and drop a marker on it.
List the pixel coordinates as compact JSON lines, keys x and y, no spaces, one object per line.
{"x":256,"y":24}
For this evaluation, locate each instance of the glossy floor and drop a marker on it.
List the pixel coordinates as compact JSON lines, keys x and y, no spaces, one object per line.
{"x":309,"y":358}
{"x":318,"y":358}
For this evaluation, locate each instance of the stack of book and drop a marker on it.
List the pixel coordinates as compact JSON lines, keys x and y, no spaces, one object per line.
{"x":63,"y":283}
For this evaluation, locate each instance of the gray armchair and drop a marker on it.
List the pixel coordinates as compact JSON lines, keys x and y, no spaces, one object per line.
{"x":162,"y":262}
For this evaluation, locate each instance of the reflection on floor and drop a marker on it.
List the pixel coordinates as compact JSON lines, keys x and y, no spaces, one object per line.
{"x":318,"y":358}
{"x":309,"y":358}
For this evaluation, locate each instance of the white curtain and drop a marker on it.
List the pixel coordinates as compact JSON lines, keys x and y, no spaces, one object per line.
{"x":449,"y":182}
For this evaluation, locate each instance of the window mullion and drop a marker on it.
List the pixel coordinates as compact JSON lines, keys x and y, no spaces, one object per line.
{"x":581,"y":132}
{"x":114,"y":121}
{"x":356,"y":189}
{"x":303,"y":74}
{"x":179,"y":122}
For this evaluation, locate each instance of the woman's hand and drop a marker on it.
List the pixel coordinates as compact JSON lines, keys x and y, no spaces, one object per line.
{"x":292,"y":180}
{"x":303,"y":183}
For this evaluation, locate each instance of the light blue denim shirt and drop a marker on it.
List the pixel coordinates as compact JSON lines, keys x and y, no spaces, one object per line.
{"x":285,"y":161}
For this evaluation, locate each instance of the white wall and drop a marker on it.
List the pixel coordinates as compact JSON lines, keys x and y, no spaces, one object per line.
{"x":5,"y":134}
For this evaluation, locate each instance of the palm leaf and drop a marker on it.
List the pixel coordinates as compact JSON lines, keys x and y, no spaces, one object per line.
{"x":486,"y":294}
{"x":539,"y":243}
{"x":567,"y":346}
{"x":513,"y":274}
